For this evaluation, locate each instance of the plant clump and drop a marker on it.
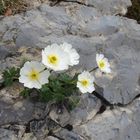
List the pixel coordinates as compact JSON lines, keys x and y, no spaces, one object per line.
{"x":50,"y":78}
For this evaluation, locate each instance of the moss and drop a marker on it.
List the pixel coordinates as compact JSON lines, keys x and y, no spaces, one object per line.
{"x":134,"y":10}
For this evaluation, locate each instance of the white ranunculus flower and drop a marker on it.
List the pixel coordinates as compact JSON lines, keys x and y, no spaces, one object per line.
{"x":33,"y":75}
{"x":55,"y":58}
{"x":73,"y":55}
{"x":86,"y":82}
{"x":103,"y":63}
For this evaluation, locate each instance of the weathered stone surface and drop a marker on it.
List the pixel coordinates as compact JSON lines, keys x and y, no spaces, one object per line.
{"x":117,"y":124}
{"x":60,"y":116}
{"x":51,"y":138}
{"x":4,"y":52}
{"x":7,"y":135}
{"x":108,"y":6}
{"x":90,"y":29}
{"x":89,"y":34}
{"x":19,"y":112}
{"x":86,"y":110}
{"x":68,"y":135}
{"x":29,"y":136}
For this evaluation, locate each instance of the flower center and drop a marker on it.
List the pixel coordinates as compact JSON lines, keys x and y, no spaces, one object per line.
{"x":85,"y":83}
{"x":53,"y":59}
{"x":101,"y":64}
{"x":34,"y":75}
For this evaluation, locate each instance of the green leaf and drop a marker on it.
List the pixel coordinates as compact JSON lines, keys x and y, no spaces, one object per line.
{"x":72,"y":102}
{"x":75,"y":78}
{"x":2,"y":8}
{"x":64,"y":78}
{"x":55,"y":85}
{"x":25,"y":93}
{"x":61,"y":87}
{"x":46,"y":94}
{"x":58,"y":97}
{"x":10,"y":75}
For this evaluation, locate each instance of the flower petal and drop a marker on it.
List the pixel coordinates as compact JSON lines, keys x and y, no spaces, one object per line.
{"x":55,"y":50}
{"x":91,"y":88}
{"x":44,"y":77}
{"x":33,"y":84}
{"x":107,"y":70}
{"x":25,"y":69}
{"x":30,"y":74}
{"x":37,"y":66}
{"x":99,"y":57}
{"x":81,"y":88}
{"x":74,"y":56}
{"x":23,"y":79}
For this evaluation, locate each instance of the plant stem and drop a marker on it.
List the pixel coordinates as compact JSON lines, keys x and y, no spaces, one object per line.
{"x":15,"y":78}
{"x":73,"y":82}
{"x":93,"y":69}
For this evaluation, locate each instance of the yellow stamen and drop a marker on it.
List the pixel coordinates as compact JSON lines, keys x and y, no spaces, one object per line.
{"x":101,"y":64}
{"x":53,"y":59}
{"x":85,"y":83}
{"x":34,"y":75}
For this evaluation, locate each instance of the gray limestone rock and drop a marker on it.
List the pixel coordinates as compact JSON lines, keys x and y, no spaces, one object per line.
{"x":109,"y":7}
{"x":19,"y":112}
{"x":51,"y":138}
{"x":69,"y":135}
{"x":91,"y":28}
{"x":117,"y":124}
{"x":4,"y":52}
{"x":87,"y":109}
{"x":7,"y":135}
{"x":29,"y":136}
{"x":109,"y":35}
{"x":60,"y":116}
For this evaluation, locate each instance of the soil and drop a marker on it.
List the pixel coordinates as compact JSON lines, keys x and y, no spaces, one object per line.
{"x":134,"y":11}
{"x":11,"y":7}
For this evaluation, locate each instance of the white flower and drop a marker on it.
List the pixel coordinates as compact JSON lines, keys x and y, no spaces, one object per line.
{"x":33,"y":75}
{"x":86,"y":82}
{"x":103,"y":63}
{"x":55,"y":58}
{"x":73,"y":55}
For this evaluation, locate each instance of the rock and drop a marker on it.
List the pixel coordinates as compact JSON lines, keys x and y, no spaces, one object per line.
{"x":7,"y":135}
{"x":4,"y":52}
{"x":89,"y":34}
{"x":91,"y":28}
{"x":29,"y":136}
{"x":108,"y":6}
{"x":69,"y":135}
{"x":116,"y":86}
{"x":51,"y":138}
{"x":17,"y":110}
{"x":86,"y":110}
{"x":16,"y":130}
{"x":61,"y":117}
{"x":17,"y":57}
{"x":10,"y":94}
{"x":20,"y":112}
{"x":117,"y":124}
